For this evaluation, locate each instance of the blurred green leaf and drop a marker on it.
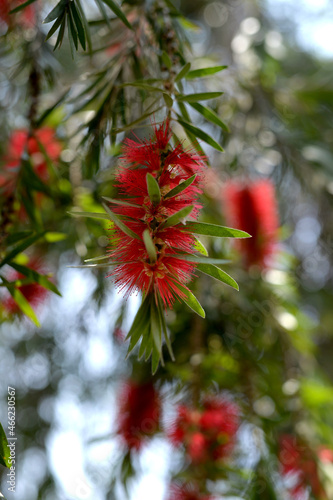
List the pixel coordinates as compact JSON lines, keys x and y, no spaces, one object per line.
{"x":35,"y":277}
{"x":26,"y":243}
{"x":22,"y":302}
{"x":183,"y":72}
{"x":199,"y":73}
{"x":118,"y":12}
{"x":4,"y":450}
{"x":22,"y":6}
{"x":201,"y":96}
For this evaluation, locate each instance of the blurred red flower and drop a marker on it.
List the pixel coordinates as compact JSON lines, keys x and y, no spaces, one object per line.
{"x":34,"y":293}
{"x":207,"y":434}
{"x":170,"y":166}
{"x":299,"y":468}
{"x":139,"y":413}
{"x":25,"y":18}
{"x":252,"y":207}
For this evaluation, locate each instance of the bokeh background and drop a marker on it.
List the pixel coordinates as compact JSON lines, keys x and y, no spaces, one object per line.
{"x":273,"y":339}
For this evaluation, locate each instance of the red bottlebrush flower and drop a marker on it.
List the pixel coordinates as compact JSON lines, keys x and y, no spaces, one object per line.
{"x":26,"y":18}
{"x":34,"y":293}
{"x":325,"y":454}
{"x":207,"y":434}
{"x":187,"y":492}
{"x":252,"y":207}
{"x":170,"y":166}
{"x":139,"y":413}
{"x":20,"y":141}
{"x":299,"y":468}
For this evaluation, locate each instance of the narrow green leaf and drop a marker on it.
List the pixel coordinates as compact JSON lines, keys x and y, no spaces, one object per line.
{"x":149,"y":348}
{"x":201,"y":96}
{"x":143,"y":346}
{"x":199,"y":73}
{"x":79,"y":24}
{"x":72,"y":33}
{"x":197,"y":258}
{"x":149,"y":244}
{"x":153,"y":189}
{"x":105,"y":15}
{"x":4,"y":450}
{"x":35,"y":277}
{"x":23,"y":304}
{"x":119,"y":13}
{"x":93,"y":215}
{"x":58,"y":10}
{"x":18,"y":236}
{"x":155,"y":360}
{"x":55,"y":26}
{"x":141,"y":321}
{"x":60,"y":34}
{"x":21,"y":247}
{"x":85,"y":23}
{"x":200,"y":134}
{"x":210,"y":115}
{"x":155,"y":327}
{"x":166,"y":59}
{"x":218,"y":274}
{"x":100,"y":257}
{"x":121,"y":202}
{"x":142,"y":85}
{"x":176,"y":218}
{"x":22,"y":6}
{"x":183,"y":72}
{"x":120,"y":224}
{"x":164,"y":327}
{"x":190,"y":300}
{"x":214,"y":230}
{"x":200,"y":247}
{"x":181,"y":187}
{"x":168,"y":100}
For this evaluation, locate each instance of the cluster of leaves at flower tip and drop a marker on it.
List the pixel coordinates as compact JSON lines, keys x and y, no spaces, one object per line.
{"x":299,"y":468}
{"x":139,"y":413}
{"x":208,"y":434}
{"x":159,"y":185}
{"x":252,"y":207}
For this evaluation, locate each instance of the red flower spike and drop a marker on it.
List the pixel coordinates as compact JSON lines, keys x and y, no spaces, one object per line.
{"x":252,"y":207}
{"x":34,"y":293}
{"x":25,"y":18}
{"x":139,"y":413}
{"x":207,"y":434}
{"x":187,"y":492}
{"x":298,"y":465}
{"x":170,"y":167}
{"x":20,"y":141}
